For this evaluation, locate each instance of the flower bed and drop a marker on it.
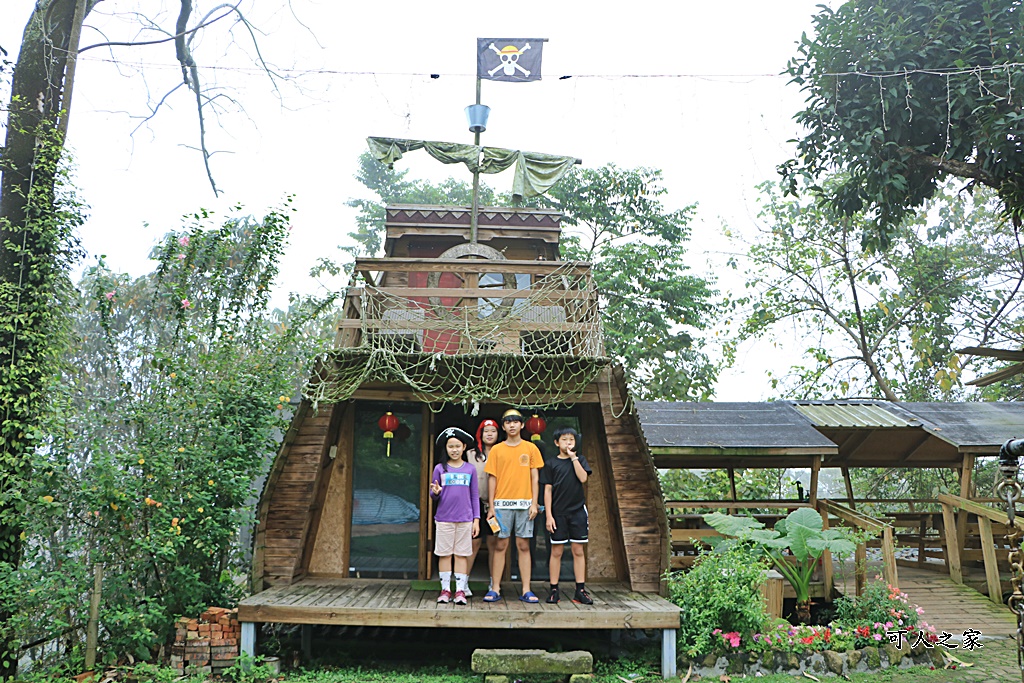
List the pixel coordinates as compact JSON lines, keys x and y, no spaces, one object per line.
{"x":724,"y":628}
{"x":817,"y":662}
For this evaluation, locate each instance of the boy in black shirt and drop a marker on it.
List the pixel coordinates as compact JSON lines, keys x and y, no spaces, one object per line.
{"x":566,"y":508}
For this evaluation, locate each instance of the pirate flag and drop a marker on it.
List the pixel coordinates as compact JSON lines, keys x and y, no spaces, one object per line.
{"x":509,"y":59}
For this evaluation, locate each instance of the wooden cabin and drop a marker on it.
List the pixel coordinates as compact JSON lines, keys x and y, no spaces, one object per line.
{"x":442,"y":331}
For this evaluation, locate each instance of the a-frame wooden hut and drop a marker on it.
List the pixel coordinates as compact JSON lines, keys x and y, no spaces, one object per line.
{"x":450,"y":327}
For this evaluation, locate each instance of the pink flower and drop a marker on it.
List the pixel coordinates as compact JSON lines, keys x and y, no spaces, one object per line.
{"x":110,"y":296}
{"x":888,"y":625}
{"x":183,"y":240}
{"x":181,"y":257}
{"x":185,"y":303}
{"x":877,"y":636}
{"x":920,"y":611}
{"x":733,"y":638}
{"x":716,"y":631}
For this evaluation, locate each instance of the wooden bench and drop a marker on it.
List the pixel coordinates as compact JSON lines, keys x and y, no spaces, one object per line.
{"x":498,"y":665}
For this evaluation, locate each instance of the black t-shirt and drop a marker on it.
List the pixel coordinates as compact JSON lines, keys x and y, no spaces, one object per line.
{"x":566,"y":489}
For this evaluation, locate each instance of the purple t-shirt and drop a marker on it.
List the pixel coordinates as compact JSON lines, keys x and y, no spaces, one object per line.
{"x":459,"y":497}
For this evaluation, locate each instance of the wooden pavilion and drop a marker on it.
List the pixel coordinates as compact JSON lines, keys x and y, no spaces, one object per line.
{"x":452,"y":326}
{"x":959,"y":536}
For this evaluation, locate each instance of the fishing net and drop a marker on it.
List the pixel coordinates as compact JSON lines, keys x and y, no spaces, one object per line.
{"x":538,"y":344}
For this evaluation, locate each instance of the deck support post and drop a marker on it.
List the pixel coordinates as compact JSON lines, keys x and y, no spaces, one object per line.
{"x":952,"y":544}
{"x":668,"y":653}
{"x":248,"y":645}
{"x":965,"y":492}
{"x":307,"y":642}
{"x":988,"y":552}
{"x":812,"y":494}
{"x":827,"y":569}
{"x":849,"y":488}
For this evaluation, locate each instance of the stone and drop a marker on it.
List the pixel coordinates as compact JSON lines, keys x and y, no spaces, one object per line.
{"x":581,"y":678}
{"x":496,"y":679}
{"x":792,"y":661}
{"x":532,"y":662}
{"x":710,"y":661}
{"x":737,"y":663}
{"x":894,"y":654}
{"x":937,"y":660}
{"x":872,"y":657}
{"x":853,"y":658}
{"x":834,"y":661}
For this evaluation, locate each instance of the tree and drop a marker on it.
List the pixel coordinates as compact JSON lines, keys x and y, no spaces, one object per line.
{"x":165,"y":414}
{"x":902,"y":94}
{"x":653,"y":308}
{"x":36,"y":225}
{"x":882,"y":324}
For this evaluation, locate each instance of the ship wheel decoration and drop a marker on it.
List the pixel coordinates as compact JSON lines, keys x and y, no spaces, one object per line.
{"x":473,"y":250}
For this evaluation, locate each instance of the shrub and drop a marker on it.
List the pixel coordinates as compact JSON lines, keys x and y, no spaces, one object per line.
{"x":169,"y":408}
{"x":719,"y":599}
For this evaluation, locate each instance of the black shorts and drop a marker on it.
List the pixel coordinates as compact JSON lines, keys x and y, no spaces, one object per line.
{"x":485,"y":528}
{"x":571,"y":527}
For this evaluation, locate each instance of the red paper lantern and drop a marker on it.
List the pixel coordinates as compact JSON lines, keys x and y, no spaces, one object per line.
{"x":388,"y":423}
{"x":536,"y":426}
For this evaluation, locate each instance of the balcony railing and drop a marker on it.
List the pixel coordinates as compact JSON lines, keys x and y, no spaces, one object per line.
{"x":460,"y":306}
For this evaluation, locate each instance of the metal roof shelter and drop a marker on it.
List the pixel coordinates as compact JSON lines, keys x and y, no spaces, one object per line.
{"x":731,"y":435}
{"x":844,"y":433}
{"x":979,"y":428}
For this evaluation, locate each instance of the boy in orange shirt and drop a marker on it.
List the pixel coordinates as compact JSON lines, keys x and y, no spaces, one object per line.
{"x":513,"y":490}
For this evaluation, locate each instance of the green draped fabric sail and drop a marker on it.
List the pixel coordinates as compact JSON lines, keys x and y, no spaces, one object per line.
{"x":535,"y":173}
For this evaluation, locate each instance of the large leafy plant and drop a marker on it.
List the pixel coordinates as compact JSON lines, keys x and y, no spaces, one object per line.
{"x":800,"y":535}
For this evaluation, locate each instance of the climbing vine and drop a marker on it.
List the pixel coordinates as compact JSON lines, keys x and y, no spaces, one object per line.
{"x":35,"y":257}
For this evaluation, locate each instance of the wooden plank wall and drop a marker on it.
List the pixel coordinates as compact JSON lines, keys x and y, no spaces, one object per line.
{"x":287,"y":505}
{"x":637,"y":491}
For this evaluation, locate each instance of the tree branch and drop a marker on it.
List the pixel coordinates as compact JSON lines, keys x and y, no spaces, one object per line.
{"x":952,"y":166}
{"x":175,"y":37}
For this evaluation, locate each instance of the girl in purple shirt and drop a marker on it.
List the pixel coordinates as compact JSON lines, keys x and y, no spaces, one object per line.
{"x":454,"y":486}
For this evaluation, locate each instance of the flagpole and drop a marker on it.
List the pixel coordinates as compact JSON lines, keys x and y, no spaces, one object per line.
{"x":476,"y":177}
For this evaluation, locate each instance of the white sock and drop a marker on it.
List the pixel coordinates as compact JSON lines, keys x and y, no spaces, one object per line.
{"x":446,"y":581}
{"x":461,"y":582}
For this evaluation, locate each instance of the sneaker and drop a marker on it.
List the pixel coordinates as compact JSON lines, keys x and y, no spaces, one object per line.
{"x":460,"y":598}
{"x":582,"y":597}
{"x":468,"y":592}
{"x":445,"y":596}
{"x":553,"y":596}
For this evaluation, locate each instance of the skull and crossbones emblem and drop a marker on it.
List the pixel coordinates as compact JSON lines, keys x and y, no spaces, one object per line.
{"x":509,"y":56}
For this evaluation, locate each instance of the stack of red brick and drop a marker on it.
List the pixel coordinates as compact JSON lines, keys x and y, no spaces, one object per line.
{"x":208,"y":644}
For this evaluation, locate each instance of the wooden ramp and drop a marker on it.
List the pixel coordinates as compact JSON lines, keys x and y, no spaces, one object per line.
{"x":949,"y":606}
{"x":381,"y":602}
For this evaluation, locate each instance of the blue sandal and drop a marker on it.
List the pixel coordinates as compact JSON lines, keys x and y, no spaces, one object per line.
{"x":492,"y":596}
{"x":529,"y":597}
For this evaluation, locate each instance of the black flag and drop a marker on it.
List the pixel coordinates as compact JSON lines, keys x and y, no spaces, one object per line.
{"x":509,"y":59}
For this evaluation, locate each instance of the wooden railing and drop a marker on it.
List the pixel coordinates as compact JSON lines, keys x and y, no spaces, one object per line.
{"x":852,"y":518}
{"x":954,"y":542}
{"x":555,"y":312}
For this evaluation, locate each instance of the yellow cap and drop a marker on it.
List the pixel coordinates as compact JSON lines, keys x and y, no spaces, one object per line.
{"x":511,"y":413}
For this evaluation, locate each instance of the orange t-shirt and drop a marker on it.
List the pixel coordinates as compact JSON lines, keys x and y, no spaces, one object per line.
{"x":511,"y":465}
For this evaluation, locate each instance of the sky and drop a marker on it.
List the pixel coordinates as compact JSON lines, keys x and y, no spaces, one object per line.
{"x":692,"y":88}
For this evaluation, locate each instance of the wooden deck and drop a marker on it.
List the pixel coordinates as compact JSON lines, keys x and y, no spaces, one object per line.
{"x":384,"y":602}
{"x":948,"y":606}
